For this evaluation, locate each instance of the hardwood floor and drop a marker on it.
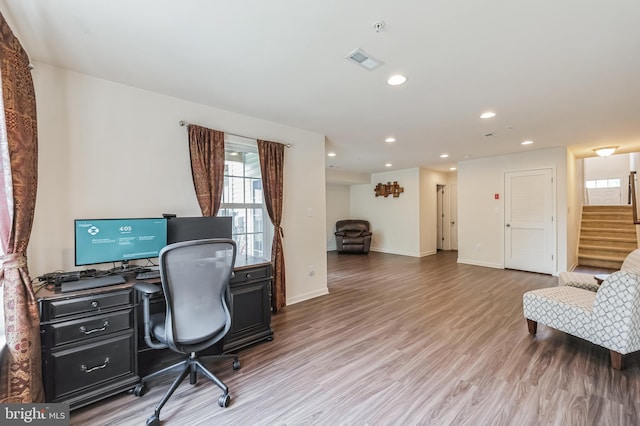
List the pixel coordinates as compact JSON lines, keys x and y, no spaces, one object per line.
{"x":404,"y":341}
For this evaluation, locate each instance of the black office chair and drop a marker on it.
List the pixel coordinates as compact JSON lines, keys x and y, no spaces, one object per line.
{"x":195,"y":281}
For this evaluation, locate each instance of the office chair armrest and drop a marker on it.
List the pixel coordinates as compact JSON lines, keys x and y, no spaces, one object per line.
{"x":146,"y":288}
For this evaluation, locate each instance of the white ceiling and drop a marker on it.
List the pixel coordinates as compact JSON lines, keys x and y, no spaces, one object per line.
{"x":558,"y":72}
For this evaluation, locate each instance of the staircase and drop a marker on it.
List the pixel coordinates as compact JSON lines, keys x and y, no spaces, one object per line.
{"x":607,"y":236}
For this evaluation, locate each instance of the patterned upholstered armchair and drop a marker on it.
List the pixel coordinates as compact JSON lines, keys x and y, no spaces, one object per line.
{"x":609,"y":317}
{"x":588,"y":282}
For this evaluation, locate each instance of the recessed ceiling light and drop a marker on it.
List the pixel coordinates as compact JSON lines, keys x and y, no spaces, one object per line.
{"x":396,"y":80}
{"x":488,"y":114}
{"x":390,"y":140}
{"x":452,"y":168}
{"x":388,"y":165}
{"x":331,"y":154}
{"x":444,"y":155}
{"x":526,"y":143}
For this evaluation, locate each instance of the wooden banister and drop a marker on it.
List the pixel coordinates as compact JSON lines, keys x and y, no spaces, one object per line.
{"x":632,"y":197}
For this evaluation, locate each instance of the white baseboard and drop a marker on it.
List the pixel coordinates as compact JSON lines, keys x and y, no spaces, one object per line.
{"x":401,"y":253}
{"x":477,"y":263}
{"x":307,"y":296}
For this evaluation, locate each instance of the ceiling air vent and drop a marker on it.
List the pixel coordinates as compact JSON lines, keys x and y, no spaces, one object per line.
{"x":365,"y":60}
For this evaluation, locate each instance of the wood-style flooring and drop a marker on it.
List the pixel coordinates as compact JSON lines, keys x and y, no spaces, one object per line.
{"x":403,"y":341}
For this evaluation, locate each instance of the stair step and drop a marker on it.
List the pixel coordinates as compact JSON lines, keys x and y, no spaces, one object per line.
{"x":620,"y":240}
{"x":608,"y":231}
{"x":599,"y":263}
{"x":607,"y":223}
{"x":623,"y":207}
{"x":605,"y":249}
{"x":607,"y":215}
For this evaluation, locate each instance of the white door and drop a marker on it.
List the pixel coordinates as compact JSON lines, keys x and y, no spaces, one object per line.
{"x":529,"y":222}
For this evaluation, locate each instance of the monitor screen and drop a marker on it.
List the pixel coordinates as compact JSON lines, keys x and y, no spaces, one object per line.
{"x":198,"y":228}
{"x":118,"y":240}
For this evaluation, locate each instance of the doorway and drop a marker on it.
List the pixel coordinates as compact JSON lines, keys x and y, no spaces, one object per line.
{"x":441,"y":219}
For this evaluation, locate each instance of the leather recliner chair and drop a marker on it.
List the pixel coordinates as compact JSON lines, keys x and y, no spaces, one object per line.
{"x":353,"y":236}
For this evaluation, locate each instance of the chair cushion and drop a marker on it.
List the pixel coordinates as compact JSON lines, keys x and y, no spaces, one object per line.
{"x":564,"y":308}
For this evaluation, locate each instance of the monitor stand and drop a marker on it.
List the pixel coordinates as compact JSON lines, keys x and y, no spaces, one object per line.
{"x":122,"y":269}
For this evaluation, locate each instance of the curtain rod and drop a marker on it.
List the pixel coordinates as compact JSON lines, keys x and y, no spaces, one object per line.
{"x":184,"y":123}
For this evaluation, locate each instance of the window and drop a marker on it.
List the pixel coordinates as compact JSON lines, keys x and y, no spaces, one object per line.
{"x":242,"y":200}
{"x":602,"y":183}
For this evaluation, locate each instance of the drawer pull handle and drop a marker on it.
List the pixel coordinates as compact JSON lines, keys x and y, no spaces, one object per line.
{"x":94,"y":304}
{"x":84,"y":330}
{"x":248,"y":275}
{"x":97,"y":367}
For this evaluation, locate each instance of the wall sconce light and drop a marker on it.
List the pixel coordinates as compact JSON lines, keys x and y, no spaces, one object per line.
{"x":605,"y":151}
{"x":387,"y":189}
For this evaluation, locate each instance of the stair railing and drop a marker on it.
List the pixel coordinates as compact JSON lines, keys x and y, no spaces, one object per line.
{"x":633,"y":197}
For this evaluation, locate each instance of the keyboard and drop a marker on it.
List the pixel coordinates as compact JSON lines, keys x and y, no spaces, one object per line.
{"x":148,"y":275}
{"x":87,"y":283}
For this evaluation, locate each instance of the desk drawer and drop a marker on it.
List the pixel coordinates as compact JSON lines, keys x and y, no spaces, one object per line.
{"x":92,"y":303}
{"x":89,"y":327}
{"x":88,"y":365}
{"x":251,"y":274}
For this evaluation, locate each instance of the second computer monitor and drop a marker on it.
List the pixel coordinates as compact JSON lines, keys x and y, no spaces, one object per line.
{"x":198,"y":228}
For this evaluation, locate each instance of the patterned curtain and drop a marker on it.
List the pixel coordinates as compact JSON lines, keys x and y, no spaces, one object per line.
{"x":20,"y":367}
{"x":206,"y":147}
{"x":272,"y":168}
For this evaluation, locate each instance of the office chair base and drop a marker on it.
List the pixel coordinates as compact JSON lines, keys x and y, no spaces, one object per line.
{"x":153,"y":421}
{"x":140,"y":389}
{"x":190,"y":367}
{"x":224,"y":400}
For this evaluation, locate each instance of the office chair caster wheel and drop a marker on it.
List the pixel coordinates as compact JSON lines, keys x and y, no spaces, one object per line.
{"x":236,"y":365}
{"x":224,"y":400}
{"x":153,"y":421}
{"x":140,"y":389}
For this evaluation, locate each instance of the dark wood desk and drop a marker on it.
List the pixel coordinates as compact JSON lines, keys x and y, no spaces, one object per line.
{"x":91,"y":346}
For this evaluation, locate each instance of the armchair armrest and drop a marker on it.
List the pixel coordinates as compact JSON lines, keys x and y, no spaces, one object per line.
{"x":339,"y":234}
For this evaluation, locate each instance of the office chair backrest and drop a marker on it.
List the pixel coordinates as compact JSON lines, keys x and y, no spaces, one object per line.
{"x":195,"y":280}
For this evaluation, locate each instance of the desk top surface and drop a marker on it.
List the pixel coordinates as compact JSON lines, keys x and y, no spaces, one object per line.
{"x":47,"y":292}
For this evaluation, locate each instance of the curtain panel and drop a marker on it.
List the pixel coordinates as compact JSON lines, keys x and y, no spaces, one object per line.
{"x":20,"y":368}
{"x":272,"y":167}
{"x":206,"y":149}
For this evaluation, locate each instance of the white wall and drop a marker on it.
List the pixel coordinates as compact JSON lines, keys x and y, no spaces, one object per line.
{"x":338,"y":208}
{"x":406,"y":225}
{"x":109,"y":150}
{"x":395,"y":222}
{"x":575,"y":187}
{"x":612,"y":167}
{"x":481,"y":216}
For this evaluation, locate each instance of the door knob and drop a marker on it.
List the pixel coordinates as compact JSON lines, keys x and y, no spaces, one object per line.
{"x":508,"y":225}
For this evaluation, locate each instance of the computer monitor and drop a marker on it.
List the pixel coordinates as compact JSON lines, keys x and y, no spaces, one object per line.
{"x":118,"y":240}
{"x":198,"y":228}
